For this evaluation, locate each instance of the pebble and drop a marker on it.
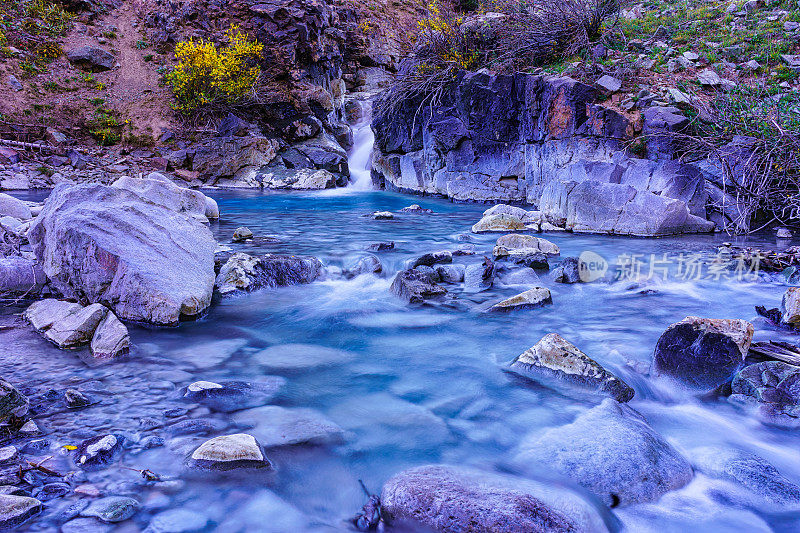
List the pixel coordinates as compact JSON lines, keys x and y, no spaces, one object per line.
{"x":112,"y":508}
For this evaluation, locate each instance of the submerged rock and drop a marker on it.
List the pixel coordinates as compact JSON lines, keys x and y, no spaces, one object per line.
{"x":13,"y":404}
{"x":499,"y":222}
{"x":178,"y":521}
{"x":297,"y":356}
{"x":229,"y":396}
{"x":749,"y":471}
{"x":369,"y":264}
{"x":479,"y":277}
{"x":381,"y":246}
{"x":127,"y":248}
{"x":280,"y":426}
{"x":530,"y":299}
{"x":774,"y":386}
{"x":454,"y":499}
{"x":242,"y":234}
{"x":98,"y":451}
{"x":703,"y":353}
{"x":612,"y":451}
{"x":228,"y":452}
{"x":249,"y":273}
{"x":14,"y":510}
{"x":112,"y":508}
{"x":555,"y":357}
{"x":415,"y":286}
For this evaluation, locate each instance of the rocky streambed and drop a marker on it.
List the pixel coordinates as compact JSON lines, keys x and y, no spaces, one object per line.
{"x":462,"y":375}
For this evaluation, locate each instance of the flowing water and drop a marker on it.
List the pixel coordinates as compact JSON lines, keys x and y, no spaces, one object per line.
{"x":359,"y":159}
{"x":417,"y":384}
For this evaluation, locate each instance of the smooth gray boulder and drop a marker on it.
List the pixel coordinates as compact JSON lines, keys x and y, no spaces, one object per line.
{"x":612,"y":451}
{"x":77,"y":328}
{"x":20,"y":275}
{"x":44,"y":313}
{"x":455,"y":499}
{"x":228,"y":452}
{"x":747,"y":470}
{"x":110,"y":339}
{"x":553,"y":357}
{"x":112,"y":508}
{"x":14,"y":510}
{"x":275,"y":426}
{"x":178,"y":521}
{"x":14,"y":208}
{"x":111,"y":245}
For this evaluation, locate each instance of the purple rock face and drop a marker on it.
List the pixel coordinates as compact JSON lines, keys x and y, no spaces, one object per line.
{"x":455,"y":499}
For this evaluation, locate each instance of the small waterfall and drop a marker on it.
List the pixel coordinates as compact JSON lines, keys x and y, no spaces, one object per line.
{"x":360,"y":157}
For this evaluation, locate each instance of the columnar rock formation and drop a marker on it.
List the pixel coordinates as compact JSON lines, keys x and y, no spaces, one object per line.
{"x":544,"y":141}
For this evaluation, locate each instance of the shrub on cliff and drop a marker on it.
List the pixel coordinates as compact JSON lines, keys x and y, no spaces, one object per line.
{"x":504,"y":35}
{"x":207,"y":74}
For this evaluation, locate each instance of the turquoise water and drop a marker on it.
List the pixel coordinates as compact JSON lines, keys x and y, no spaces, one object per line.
{"x":418,"y":384}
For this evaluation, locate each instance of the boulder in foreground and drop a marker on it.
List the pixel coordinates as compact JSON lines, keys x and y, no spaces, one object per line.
{"x":454,"y":499}
{"x":127,"y":248}
{"x":613,"y":452}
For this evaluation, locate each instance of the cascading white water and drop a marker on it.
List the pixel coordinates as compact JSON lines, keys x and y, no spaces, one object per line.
{"x":360,"y":158}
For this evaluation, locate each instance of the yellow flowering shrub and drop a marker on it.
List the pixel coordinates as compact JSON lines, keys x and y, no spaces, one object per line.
{"x":206,"y":74}
{"x":441,"y":31}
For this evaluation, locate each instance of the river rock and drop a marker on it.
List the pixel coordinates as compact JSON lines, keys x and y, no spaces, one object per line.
{"x":530,"y":299}
{"x":229,"y":396}
{"x":450,"y":273}
{"x":98,"y":451}
{"x":14,"y":208}
{"x":300,"y":179}
{"x":114,"y":246}
{"x":479,"y":277}
{"x":369,"y":264}
{"x":14,"y":510}
{"x":112,"y":508}
{"x":77,"y":328}
{"x":178,"y":521}
{"x":159,"y":190}
{"x":433,"y":258}
{"x":244,"y":272}
{"x":528,"y":257}
{"x":228,"y":452}
{"x":453,"y":499}
{"x":111,"y":338}
{"x":267,"y":508}
{"x":749,"y":471}
{"x":505,"y":209}
{"x":382,"y":215}
{"x":8,"y":454}
{"x":773,"y":386}
{"x":281,"y":426}
{"x":415,"y":286}
{"x":13,"y":404}
{"x":790,"y":306}
{"x":703,"y":353}
{"x":515,"y":241}
{"x":568,"y":271}
{"x":381,"y":246}
{"x":44,"y":313}
{"x":555,"y":357}
{"x":20,"y":275}
{"x":499,"y":222}
{"x":76,"y":399}
{"x":612,"y":451}
{"x":296,"y":356}
{"x":242,"y":234}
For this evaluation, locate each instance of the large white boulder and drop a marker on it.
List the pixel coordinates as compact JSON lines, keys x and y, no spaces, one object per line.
{"x":138,"y":247}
